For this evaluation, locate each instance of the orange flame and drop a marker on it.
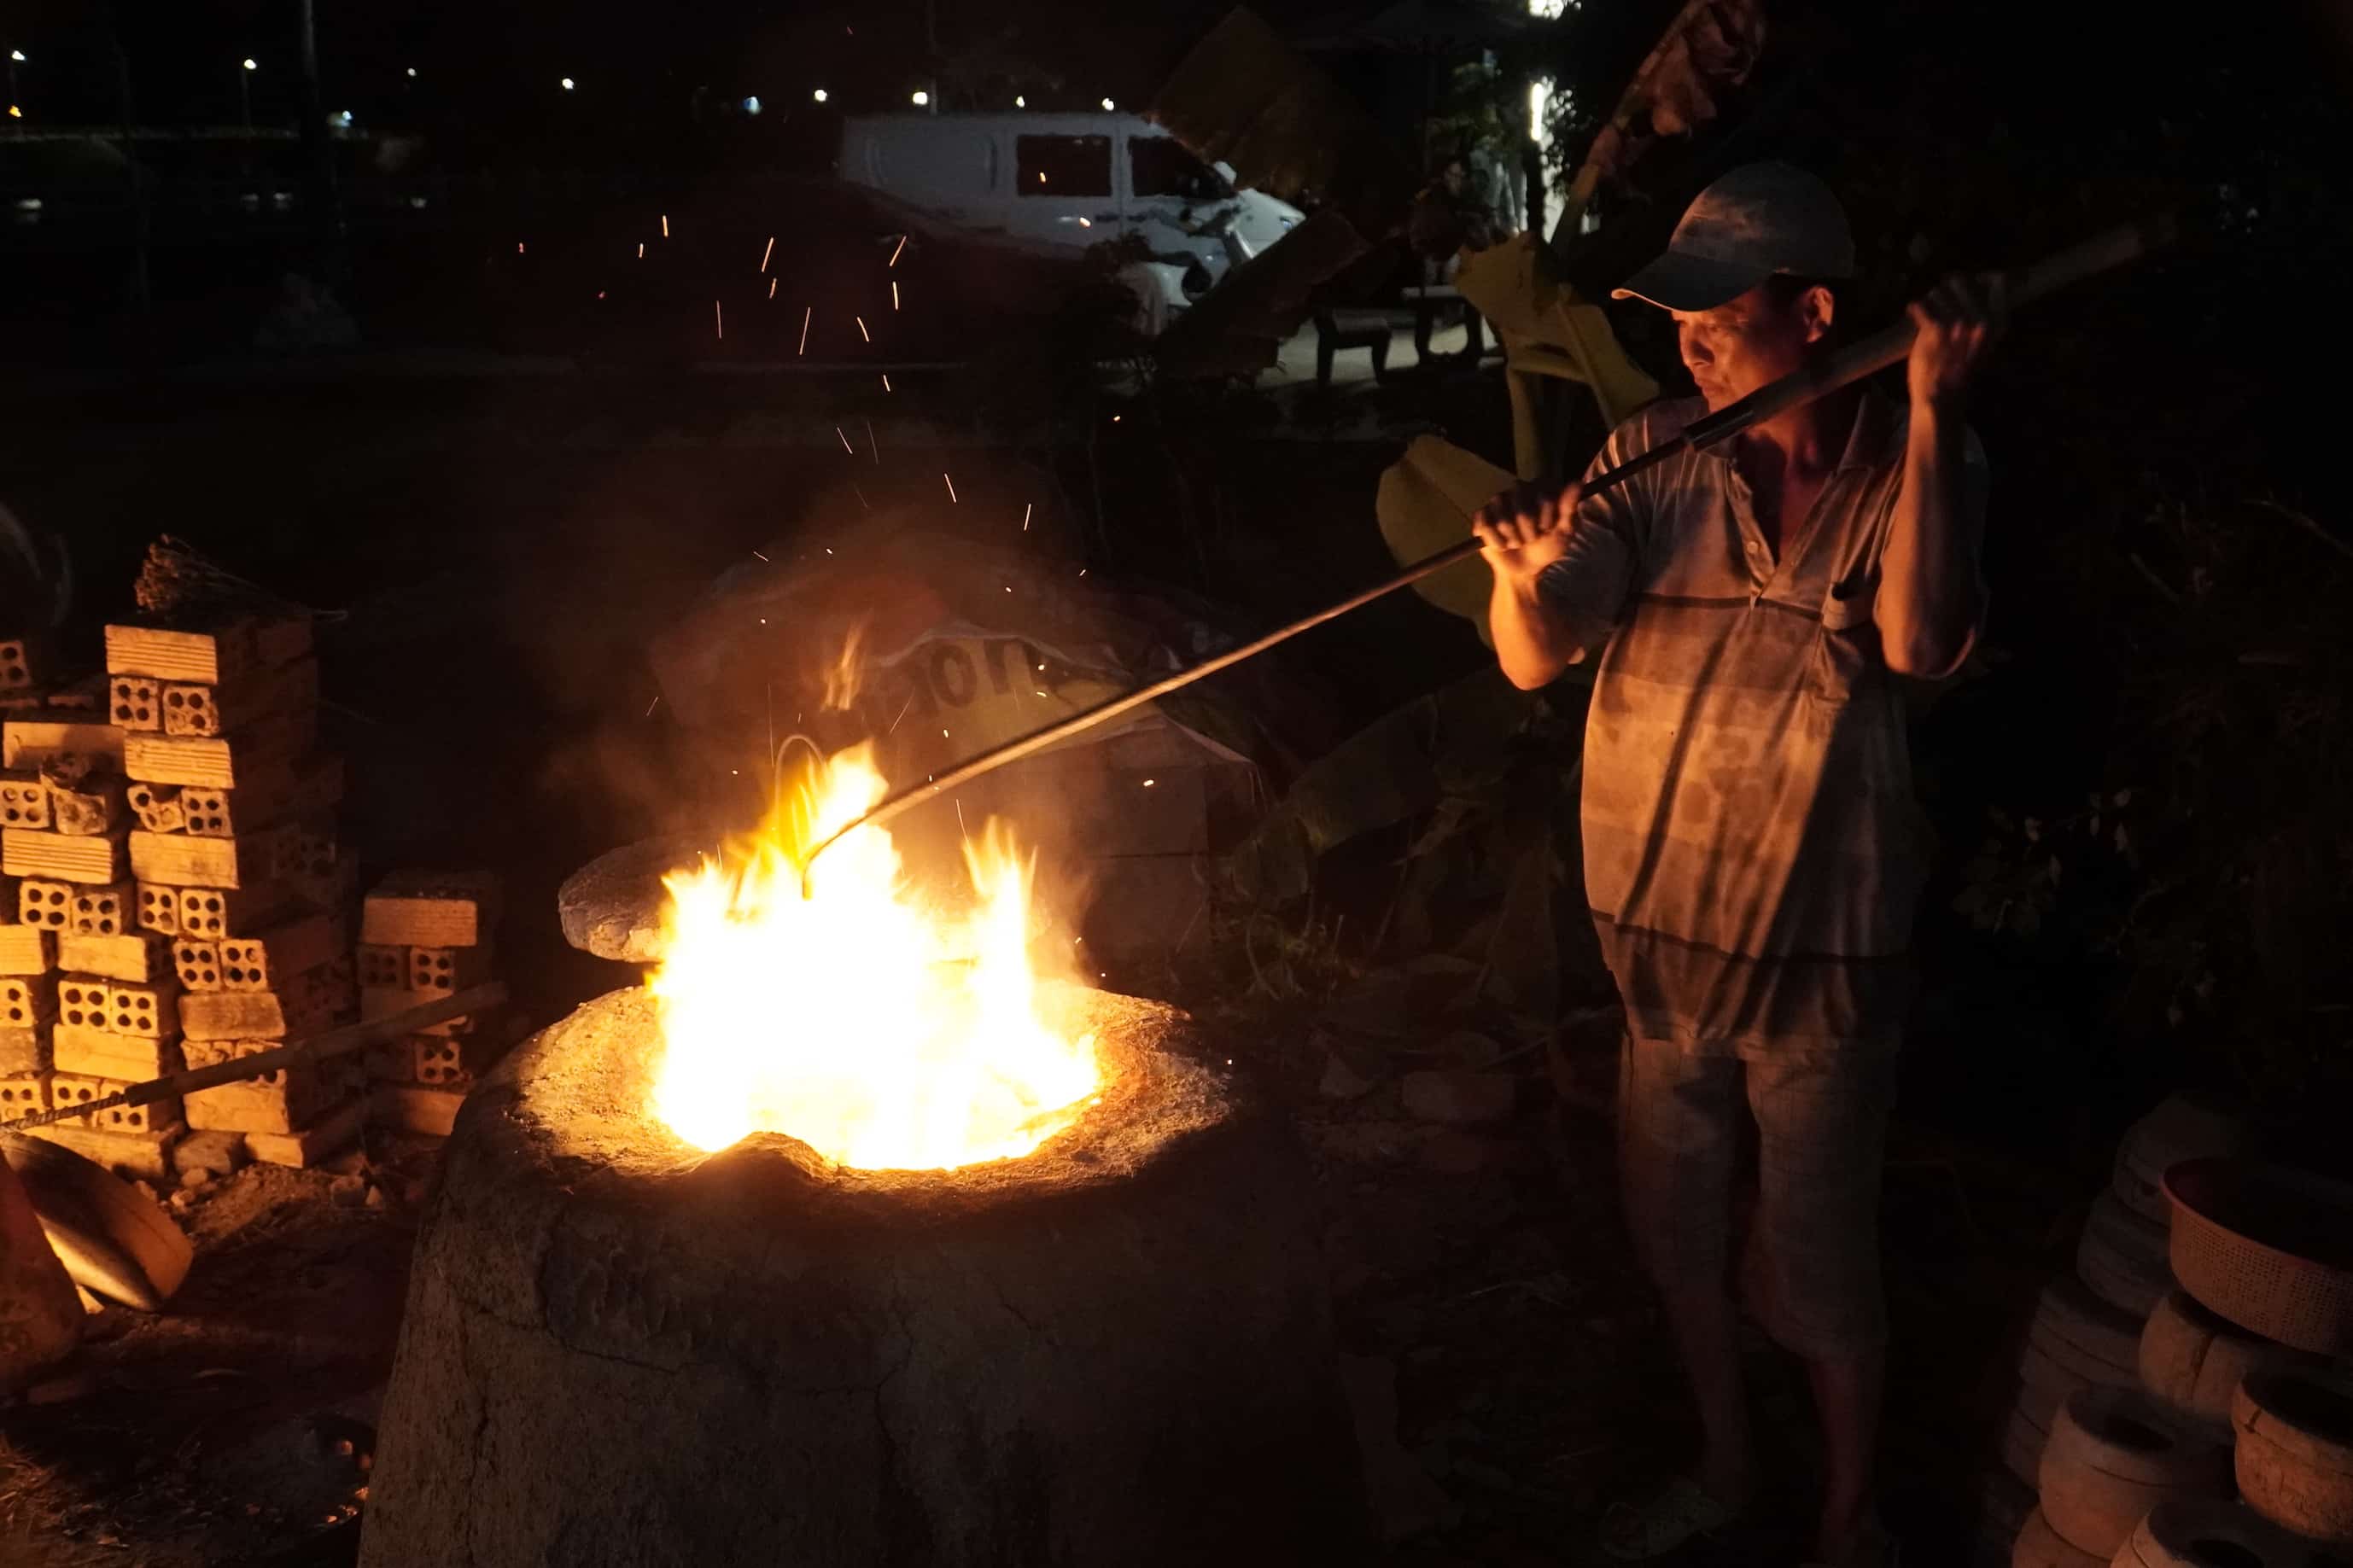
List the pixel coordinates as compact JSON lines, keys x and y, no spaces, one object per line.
{"x":883,"y":1033}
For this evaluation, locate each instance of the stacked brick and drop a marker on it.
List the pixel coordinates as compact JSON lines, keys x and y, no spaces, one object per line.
{"x":423,"y":936}
{"x":199,"y":911}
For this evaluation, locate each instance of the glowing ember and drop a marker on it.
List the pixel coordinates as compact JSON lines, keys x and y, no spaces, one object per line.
{"x":883,"y":1033}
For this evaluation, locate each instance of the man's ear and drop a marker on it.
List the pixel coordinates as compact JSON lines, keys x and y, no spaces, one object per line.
{"x":1820,"y":308}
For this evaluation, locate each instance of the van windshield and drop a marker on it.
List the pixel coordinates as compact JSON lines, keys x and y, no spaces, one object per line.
{"x":1159,"y":166}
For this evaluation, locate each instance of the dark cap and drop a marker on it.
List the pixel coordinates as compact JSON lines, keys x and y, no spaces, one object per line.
{"x":1758,"y":220}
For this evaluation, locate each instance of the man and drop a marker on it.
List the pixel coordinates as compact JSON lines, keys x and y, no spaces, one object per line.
{"x":1753,"y":854}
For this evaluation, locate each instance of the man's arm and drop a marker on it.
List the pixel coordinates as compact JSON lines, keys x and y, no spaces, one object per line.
{"x":1524,"y":531}
{"x":1928,"y":605}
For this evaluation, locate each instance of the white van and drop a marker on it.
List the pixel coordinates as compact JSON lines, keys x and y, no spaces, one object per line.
{"x":1060,"y":183}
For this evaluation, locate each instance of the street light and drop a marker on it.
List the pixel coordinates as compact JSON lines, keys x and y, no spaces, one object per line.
{"x":920,"y":98}
{"x":567,"y":84}
{"x":819,"y":95}
{"x":245,"y":92}
{"x":1019,"y":101}
{"x":1108,"y":106}
{"x":412,"y":73}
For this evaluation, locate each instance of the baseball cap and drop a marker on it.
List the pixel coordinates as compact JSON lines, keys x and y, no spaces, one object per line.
{"x":1753,"y":221}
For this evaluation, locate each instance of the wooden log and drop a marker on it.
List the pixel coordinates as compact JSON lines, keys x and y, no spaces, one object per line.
{"x":104,"y":911}
{"x":64,"y":856}
{"x":431,"y":909}
{"x":28,"y":950}
{"x":294,"y":946}
{"x":157,"y":806}
{"x":159,"y":910}
{"x":206,"y":657}
{"x":23,"y":798}
{"x":135,"y":702}
{"x":72,"y":1089}
{"x":1206,"y":1427}
{"x":185,"y":860}
{"x":27,"y":1001}
{"x":409,"y":1108}
{"x":141,"y":1156}
{"x":30,"y":742}
{"x":101,"y":1053}
{"x":267,"y":749}
{"x":139,"y":957}
{"x":89,"y":806}
{"x":333,"y":1132}
{"x":229,"y":708}
{"x":25,"y":1049}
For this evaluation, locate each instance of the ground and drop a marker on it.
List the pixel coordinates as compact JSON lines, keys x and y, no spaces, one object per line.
{"x":498,"y":544}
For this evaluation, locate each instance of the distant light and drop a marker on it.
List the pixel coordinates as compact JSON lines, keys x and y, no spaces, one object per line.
{"x":15,"y":112}
{"x":752,"y":104}
{"x":921,"y":97}
{"x":412,"y":73}
{"x":249,"y":65}
{"x":819,"y":95}
{"x":17,"y":54}
{"x":344,"y":119}
{"x":1109,"y":106}
{"x":567,"y":84}
{"x":1019,"y":101}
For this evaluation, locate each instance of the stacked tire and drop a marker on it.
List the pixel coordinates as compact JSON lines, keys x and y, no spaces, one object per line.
{"x":2186,"y":1533}
{"x":2099,"y":1451}
{"x":2294,"y":1458}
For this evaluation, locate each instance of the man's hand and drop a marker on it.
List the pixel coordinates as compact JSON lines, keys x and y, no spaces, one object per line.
{"x":1958,"y":323}
{"x":1526,"y":529}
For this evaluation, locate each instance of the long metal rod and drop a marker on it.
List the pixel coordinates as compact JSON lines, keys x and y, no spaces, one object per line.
{"x":236,"y":1069}
{"x":1848,"y":366}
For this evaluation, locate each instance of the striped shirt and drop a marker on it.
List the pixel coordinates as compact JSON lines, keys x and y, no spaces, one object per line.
{"x":1753,"y":852}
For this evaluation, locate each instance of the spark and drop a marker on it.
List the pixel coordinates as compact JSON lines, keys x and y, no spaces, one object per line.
{"x":894,"y":293}
{"x":654,"y":704}
{"x":950,"y":484}
{"x":641,"y":250}
{"x":1149,"y":783}
{"x":861,"y":329}
{"x":845,"y":442}
{"x":761,"y":557}
{"x":767,"y":253}
{"x":665,"y":226}
{"x":1083,"y":571}
{"x":894,"y":251}
{"x":943,"y":735}
{"x":1008,"y":587}
{"x":871,"y":445}
{"x":1026,"y":507}
{"x":902,"y":713}
{"x":886,"y":381}
{"x":861,"y":497}
{"x":805,"y":321}
{"x":1041,"y":694}
{"x":772,"y":288}
{"x":718,"y":321}
{"x":518,"y":248}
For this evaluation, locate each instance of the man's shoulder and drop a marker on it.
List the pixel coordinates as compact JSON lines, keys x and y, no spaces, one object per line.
{"x":1655,"y":424}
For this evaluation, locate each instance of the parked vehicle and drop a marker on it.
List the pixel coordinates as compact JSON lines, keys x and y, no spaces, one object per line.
{"x":1057,"y":183}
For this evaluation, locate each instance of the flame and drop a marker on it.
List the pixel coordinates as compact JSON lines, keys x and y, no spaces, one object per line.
{"x":883,"y":1033}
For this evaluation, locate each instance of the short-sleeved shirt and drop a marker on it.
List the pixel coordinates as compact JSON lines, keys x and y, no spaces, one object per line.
{"x":1753,"y":852}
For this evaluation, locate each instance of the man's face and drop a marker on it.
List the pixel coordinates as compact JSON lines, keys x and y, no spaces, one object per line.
{"x":1749,"y":342}
{"x":1455,"y":178}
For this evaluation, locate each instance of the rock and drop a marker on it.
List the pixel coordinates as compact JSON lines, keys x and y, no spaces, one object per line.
{"x":612,"y":907}
{"x":194,"y":1176}
{"x":219,"y":1153}
{"x":376,"y":1197}
{"x":1346,"y":1075}
{"x":1461,"y":1098}
{"x":184,"y":1200}
{"x":348,"y":1191}
{"x":147,"y":1190}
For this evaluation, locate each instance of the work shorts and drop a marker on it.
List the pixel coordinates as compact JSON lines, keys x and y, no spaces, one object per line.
{"x":1821,"y":1134}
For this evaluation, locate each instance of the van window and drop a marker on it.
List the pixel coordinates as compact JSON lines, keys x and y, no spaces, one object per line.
{"x":1159,"y":166}
{"x":917,"y":161}
{"x":1063,"y":165}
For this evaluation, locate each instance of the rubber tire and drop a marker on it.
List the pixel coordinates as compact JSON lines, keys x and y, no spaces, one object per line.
{"x":2092,"y":1338}
{"x":2123,"y":1257}
{"x":2183,"y":1532}
{"x":2113,"y":1455}
{"x":2181,"y":1129}
{"x":2193,"y":1361}
{"x":2022,"y":1446}
{"x":2295,"y":1454}
{"x":2040,"y":1546}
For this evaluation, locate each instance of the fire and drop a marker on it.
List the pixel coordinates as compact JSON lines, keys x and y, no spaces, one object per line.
{"x":883,"y":1033}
